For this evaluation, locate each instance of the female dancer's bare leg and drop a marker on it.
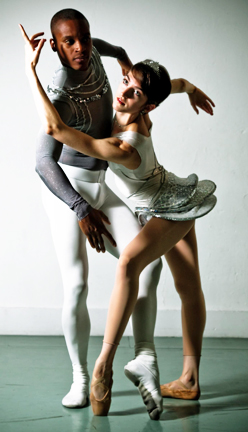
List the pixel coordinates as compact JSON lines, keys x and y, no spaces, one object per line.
{"x":183,"y":262}
{"x":154,"y":240}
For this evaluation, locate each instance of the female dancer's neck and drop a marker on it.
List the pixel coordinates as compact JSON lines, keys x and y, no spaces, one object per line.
{"x":125,"y":119}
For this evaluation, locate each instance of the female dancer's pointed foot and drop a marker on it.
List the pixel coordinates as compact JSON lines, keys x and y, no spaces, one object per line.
{"x":178,"y":390}
{"x":145,"y":375}
{"x":100,"y":395}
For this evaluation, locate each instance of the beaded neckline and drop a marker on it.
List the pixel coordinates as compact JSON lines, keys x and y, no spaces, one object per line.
{"x":74,"y":92}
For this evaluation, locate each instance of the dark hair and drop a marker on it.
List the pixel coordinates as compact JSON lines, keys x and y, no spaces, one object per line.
{"x":65,"y":15}
{"x":155,"y":84}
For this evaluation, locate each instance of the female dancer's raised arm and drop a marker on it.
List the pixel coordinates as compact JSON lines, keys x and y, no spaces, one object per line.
{"x":196,"y":96}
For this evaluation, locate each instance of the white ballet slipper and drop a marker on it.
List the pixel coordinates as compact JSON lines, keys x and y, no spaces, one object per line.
{"x":78,"y":396}
{"x":143,"y":372}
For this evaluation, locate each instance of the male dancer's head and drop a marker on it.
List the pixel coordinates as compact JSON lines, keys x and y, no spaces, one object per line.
{"x":71,"y":39}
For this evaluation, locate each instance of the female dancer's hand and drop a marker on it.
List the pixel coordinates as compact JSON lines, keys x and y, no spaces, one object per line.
{"x":199,"y":99}
{"x":33,"y":47}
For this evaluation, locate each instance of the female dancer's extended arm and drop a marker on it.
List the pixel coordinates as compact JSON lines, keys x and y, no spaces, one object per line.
{"x":111,"y":149}
{"x":196,"y":96}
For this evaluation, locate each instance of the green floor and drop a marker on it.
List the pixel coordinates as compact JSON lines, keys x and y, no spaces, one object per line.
{"x":35,"y":375}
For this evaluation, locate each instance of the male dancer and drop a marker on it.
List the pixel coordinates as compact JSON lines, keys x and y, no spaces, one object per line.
{"x":81,"y":93}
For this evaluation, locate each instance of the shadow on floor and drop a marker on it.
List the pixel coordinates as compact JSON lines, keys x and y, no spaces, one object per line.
{"x":234,"y":392}
{"x":124,"y":393}
{"x":231,"y":387}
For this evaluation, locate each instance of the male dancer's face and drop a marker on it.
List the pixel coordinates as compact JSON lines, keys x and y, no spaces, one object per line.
{"x":72,"y":42}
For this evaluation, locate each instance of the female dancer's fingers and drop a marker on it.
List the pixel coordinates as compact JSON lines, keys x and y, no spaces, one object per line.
{"x":36,"y":44}
{"x":24,"y":34}
{"x":195,"y":108}
{"x":209,"y":108}
{"x":36,"y":35}
{"x":39,"y":48}
{"x":210,"y":100}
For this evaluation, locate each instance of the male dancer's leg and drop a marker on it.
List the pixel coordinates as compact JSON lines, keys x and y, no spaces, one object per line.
{"x":70,"y":246}
{"x":71,"y":252}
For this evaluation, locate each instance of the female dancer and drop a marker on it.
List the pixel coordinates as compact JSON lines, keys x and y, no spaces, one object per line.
{"x":166,"y":206}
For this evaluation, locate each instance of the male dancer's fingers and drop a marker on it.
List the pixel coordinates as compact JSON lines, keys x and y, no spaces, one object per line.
{"x":100,"y":243}
{"x":93,"y":227}
{"x":104,"y":217}
{"x":91,"y":242}
{"x":96,"y":241}
{"x":96,"y":245}
{"x":109,"y":237}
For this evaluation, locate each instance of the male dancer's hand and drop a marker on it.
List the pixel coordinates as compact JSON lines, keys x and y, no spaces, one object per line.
{"x":93,"y":227}
{"x":125,"y":65}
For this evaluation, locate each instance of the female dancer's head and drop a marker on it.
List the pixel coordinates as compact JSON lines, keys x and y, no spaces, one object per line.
{"x":146,"y":85}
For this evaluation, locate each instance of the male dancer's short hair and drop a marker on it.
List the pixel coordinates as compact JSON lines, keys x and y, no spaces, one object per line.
{"x":65,"y":15}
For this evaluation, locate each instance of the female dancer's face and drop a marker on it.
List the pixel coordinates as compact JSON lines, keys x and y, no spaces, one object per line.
{"x":129,"y":97}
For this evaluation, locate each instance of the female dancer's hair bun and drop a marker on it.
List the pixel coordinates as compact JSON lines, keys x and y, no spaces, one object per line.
{"x":155,"y":80}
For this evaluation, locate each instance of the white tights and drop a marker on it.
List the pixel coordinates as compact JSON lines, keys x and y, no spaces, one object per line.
{"x":70,"y":245}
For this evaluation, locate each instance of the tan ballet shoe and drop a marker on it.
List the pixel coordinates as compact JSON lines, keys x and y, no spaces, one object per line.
{"x":181,"y":392}
{"x":100,"y":406}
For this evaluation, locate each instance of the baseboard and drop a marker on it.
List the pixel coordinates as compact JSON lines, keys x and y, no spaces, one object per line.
{"x":47,"y":322}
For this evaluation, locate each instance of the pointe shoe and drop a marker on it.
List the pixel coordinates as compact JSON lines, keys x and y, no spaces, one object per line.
{"x":180,"y":392}
{"x":100,"y":405}
{"x":146,"y":378}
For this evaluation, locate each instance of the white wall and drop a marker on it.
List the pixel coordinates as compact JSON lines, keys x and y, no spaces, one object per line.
{"x":202,"y":40}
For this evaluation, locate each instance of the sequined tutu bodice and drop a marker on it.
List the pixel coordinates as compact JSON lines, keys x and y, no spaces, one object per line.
{"x":159,"y":193}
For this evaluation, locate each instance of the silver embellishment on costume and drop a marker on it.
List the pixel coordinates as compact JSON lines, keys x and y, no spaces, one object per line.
{"x":180,"y":199}
{"x":78,"y":94}
{"x":67,"y":93}
{"x":154,"y":65}
{"x":196,"y":212}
